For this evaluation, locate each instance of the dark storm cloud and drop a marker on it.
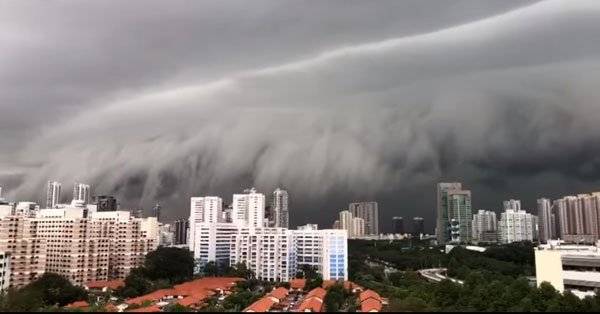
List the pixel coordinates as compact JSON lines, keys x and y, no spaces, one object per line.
{"x":334,"y":102}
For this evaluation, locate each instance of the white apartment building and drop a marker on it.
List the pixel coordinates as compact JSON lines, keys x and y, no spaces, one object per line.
{"x":81,"y":192}
{"x":280,"y":216}
{"x":206,"y":209}
{"x":212,"y":242}
{"x":269,"y":252}
{"x":485,"y":226}
{"x":512,"y":204}
{"x":358,"y":227}
{"x":346,"y":222}
{"x":4,"y":272}
{"x":53,"y":194}
{"x":515,"y":226}
{"x":568,"y":267}
{"x":369,"y":211}
{"x":18,"y":238}
{"x":28,"y":209}
{"x":249,"y":208}
{"x":327,"y":250}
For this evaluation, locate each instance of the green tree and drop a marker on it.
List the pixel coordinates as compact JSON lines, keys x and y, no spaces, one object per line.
{"x":56,"y":290}
{"x":169,"y":263}
{"x":210,"y":269}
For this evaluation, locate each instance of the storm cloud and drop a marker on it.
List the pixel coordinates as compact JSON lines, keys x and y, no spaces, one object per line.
{"x":357,"y":102}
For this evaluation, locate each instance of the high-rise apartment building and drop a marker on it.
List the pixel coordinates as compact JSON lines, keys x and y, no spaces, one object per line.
{"x":443,"y":190}
{"x":358,"y":227}
{"x":512,"y":204}
{"x":269,"y":252}
{"x":5,"y":270}
{"x":156,"y":211}
{"x":249,"y":208}
{"x":327,"y":250}
{"x":206,"y":209}
{"x":279,"y":211}
{"x":52,"y":194}
{"x":418,"y":226}
{"x":81,"y":192}
{"x":272,"y":253}
{"x":485,"y":226}
{"x":19,"y":238}
{"x":547,"y":229}
{"x":368,"y":211}
{"x":398,"y":223}
{"x":515,"y":226}
{"x":181,"y":231}
{"x":103,"y":246}
{"x":346,"y":222}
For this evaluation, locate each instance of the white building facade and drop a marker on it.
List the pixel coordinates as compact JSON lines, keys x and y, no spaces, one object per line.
{"x":515,"y":226}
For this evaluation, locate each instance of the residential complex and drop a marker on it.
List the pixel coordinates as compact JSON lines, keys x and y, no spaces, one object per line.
{"x":515,"y":226}
{"x":369,"y":212}
{"x":53,"y":194}
{"x":485,"y":227}
{"x":75,"y":241}
{"x":273,"y":253}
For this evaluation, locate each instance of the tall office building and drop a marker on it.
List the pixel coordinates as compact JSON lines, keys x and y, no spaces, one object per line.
{"x":249,"y":208}
{"x":0,"y":192}
{"x":106,"y":203}
{"x":418,"y":226}
{"x":515,"y":226}
{"x":181,"y":231}
{"x":369,"y":212}
{"x":547,"y":229}
{"x":442,"y":210}
{"x":512,"y":204}
{"x":460,"y":216}
{"x":279,"y":212}
{"x":52,"y":194}
{"x":398,"y":225}
{"x":81,"y":192}
{"x":485,"y":226}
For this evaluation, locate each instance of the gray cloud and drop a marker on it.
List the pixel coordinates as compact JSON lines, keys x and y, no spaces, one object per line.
{"x":372,"y":108}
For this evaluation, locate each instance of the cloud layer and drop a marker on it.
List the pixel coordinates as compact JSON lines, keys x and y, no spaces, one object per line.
{"x":512,"y":96}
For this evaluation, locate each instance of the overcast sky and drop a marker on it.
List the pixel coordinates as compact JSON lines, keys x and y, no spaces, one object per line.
{"x":336,"y":101}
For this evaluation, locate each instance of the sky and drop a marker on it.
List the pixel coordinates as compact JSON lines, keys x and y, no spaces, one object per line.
{"x":335,"y":101}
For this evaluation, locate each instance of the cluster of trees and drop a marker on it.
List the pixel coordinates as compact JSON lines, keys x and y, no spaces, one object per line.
{"x":312,"y":276}
{"x":493,"y":280}
{"x":339,"y":299}
{"x":162,"y":268}
{"x":49,"y":293}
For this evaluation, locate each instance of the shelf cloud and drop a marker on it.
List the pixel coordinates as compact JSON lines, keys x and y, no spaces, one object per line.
{"x":502,"y":97}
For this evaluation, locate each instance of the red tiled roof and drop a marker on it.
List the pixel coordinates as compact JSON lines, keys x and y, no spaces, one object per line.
{"x":369,"y":294}
{"x":279,"y":293}
{"x":198,"y":289}
{"x":370,"y":305}
{"x":312,"y":304}
{"x":195,"y":299}
{"x":111,"y":284}
{"x":153,"y":296}
{"x":317,"y":292}
{"x":297,"y":283}
{"x":262,"y":305}
{"x":78,"y":304}
{"x":148,"y":309}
